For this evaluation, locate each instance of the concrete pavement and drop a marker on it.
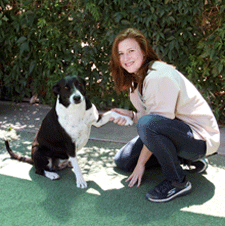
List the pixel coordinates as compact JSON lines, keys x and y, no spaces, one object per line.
{"x":27,"y":118}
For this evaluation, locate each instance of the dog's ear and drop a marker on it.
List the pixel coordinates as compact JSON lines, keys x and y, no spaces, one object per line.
{"x":88,"y":103}
{"x":56,"y":89}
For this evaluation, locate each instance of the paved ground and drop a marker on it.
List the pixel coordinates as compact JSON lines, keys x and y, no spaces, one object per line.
{"x":27,"y":118}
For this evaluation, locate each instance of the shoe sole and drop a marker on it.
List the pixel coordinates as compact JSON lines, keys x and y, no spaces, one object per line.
{"x":178,"y":194}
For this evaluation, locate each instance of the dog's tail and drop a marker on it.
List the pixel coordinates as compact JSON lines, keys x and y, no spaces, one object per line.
{"x":17,"y":157}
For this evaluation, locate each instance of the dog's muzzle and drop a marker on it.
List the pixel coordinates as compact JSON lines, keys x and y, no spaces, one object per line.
{"x":77,"y":99}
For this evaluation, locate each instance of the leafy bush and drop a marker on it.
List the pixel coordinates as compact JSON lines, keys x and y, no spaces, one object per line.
{"x":207,"y":61}
{"x":41,"y":41}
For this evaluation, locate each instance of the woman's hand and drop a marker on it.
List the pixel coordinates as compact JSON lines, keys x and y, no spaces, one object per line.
{"x":136,"y":176}
{"x":121,"y":121}
{"x":139,"y":170}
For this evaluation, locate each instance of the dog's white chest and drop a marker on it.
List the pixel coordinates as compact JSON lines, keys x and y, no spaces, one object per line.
{"x":79,"y":132}
{"x":77,"y":124}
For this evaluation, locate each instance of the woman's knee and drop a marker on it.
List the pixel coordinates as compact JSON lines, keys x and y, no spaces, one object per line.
{"x":127,"y":166}
{"x":148,"y":124}
{"x":128,"y":155}
{"x":118,"y":160}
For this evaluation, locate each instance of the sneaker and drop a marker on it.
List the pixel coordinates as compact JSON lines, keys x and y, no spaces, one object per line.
{"x":199,"y":166}
{"x":168,"y":190}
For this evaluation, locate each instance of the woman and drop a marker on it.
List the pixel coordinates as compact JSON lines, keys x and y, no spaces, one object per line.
{"x":174,"y":122}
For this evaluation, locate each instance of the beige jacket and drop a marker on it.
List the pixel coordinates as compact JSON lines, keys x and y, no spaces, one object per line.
{"x":168,"y":93}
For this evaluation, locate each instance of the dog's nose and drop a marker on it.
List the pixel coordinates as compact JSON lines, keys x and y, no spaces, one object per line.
{"x":77,"y":99}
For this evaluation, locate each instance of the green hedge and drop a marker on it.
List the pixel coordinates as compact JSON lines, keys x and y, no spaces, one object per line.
{"x":41,"y":41}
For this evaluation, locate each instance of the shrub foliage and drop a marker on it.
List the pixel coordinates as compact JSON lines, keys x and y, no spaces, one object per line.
{"x":42,"y":41}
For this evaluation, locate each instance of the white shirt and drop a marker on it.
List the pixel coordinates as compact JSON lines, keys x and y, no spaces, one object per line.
{"x":169,"y":93}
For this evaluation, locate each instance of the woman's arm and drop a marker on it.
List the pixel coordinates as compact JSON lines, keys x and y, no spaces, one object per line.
{"x":139,"y":170}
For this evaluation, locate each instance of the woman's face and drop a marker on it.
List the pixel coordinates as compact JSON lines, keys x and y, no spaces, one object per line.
{"x":130,"y":55}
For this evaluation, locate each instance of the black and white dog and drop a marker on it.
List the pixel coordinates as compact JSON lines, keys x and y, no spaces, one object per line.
{"x":65,"y":130}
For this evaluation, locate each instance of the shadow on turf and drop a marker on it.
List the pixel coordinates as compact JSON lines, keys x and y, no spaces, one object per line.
{"x":132,"y":203}
{"x":64,"y":199}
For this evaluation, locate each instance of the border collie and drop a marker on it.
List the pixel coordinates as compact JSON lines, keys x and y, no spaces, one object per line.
{"x":65,"y":130}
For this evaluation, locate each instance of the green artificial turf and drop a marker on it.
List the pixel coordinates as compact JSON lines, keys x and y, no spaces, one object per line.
{"x":29,"y":199}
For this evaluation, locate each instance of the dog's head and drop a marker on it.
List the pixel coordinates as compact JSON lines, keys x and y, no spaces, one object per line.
{"x":71,"y":90}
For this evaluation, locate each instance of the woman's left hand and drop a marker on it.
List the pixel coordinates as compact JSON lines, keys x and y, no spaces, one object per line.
{"x":136,"y":176}
{"x":120,"y":120}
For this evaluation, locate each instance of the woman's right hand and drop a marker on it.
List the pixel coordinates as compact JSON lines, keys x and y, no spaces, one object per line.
{"x":136,"y":176}
{"x":121,"y":121}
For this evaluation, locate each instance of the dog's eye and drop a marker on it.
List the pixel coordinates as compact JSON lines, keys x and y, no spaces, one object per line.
{"x":66,"y":87}
{"x":77,"y":84}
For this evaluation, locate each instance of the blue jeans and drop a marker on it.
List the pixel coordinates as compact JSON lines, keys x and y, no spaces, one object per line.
{"x":168,"y":140}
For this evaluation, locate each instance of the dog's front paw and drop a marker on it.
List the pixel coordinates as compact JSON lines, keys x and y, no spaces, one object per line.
{"x":129,"y":121}
{"x":116,"y":115}
{"x":81,"y":183}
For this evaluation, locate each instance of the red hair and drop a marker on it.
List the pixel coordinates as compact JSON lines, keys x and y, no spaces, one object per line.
{"x":124,"y":80}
